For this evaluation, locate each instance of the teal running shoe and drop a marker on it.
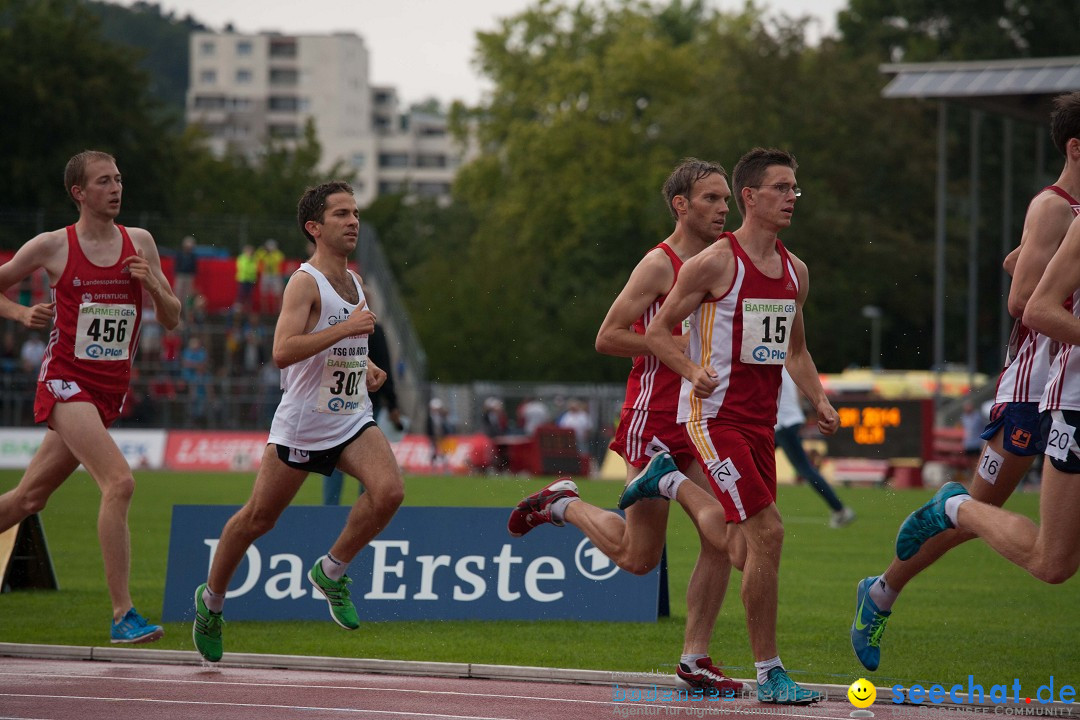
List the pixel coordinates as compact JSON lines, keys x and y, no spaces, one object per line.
{"x":206,"y":630}
{"x":926,"y":522}
{"x":780,"y":689}
{"x":646,"y":484}
{"x":134,"y":628}
{"x":336,"y":593}
{"x":868,"y":625}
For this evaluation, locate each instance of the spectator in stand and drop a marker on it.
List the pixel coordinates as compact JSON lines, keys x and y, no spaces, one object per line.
{"x":577,"y":418}
{"x":247,"y":274}
{"x":194,"y":372}
{"x":494,"y":418}
{"x":438,"y":427}
{"x":532,"y":414}
{"x":9,"y":353}
{"x":271,"y":284}
{"x":973,"y":423}
{"x":187,"y":265}
{"x":32,"y":353}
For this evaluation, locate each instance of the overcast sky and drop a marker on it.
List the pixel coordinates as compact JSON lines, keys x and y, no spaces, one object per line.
{"x":422,"y":47}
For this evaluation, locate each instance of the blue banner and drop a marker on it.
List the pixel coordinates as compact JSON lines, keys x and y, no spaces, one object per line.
{"x":430,"y":563}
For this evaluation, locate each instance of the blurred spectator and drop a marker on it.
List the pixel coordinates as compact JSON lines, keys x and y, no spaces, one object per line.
{"x":438,"y":427}
{"x":973,"y":423}
{"x":247,"y":273}
{"x":384,"y":402}
{"x":532,"y":414}
{"x":494,"y":419}
{"x":194,"y":372}
{"x":31,"y":353}
{"x":186,"y":267}
{"x":271,"y":284}
{"x":9,"y":353}
{"x":149,"y":335}
{"x":577,"y":418}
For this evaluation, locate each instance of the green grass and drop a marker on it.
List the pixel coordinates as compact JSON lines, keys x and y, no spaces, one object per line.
{"x":972,"y":613}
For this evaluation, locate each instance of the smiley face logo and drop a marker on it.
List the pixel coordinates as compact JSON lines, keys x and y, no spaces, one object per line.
{"x":862,"y":693}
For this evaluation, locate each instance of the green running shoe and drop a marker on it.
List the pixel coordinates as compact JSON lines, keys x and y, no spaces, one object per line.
{"x":206,"y":631}
{"x":336,"y":593}
{"x":868,"y":625}
{"x":780,"y":689}
{"x":646,"y":484}
{"x":926,"y":522}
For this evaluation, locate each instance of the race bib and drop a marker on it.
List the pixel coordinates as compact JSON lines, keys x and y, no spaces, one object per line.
{"x":103,"y":331}
{"x":343,"y":386}
{"x":766,"y":327}
{"x":1060,"y":442}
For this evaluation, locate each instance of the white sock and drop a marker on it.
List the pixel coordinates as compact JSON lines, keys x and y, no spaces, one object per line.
{"x":214,"y":602}
{"x":763,"y":668}
{"x":690,"y":660}
{"x":558,"y":510}
{"x":952,"y":506}
{"x":883,"y":595}
{"x":333,"y":568}
{"x":669,"y":484}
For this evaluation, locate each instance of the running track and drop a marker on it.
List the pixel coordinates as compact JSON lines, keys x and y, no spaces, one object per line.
{"x":127,"y":684}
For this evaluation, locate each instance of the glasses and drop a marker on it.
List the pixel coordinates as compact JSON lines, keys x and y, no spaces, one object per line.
{"x":782,"y":188}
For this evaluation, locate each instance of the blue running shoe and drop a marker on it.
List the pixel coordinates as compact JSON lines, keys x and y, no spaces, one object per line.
{"x":134,"y":628}
{"x":868,"y":626}
{"x":926,"y":522}
{"x":646,"y":484}
{"x":779,"y":689}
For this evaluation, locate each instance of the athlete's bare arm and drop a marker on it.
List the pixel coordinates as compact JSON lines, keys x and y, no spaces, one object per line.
{"x":46,"y":251}
{"x":1044,"y":312}
{"x":800,"y":364}
{"x":300,"y":307}
{"x":1047,"y":221}
{"x":145,"y":267}
{"x":709,"y":273}
{"x":651,"y":278}
{"x":376,"y":376}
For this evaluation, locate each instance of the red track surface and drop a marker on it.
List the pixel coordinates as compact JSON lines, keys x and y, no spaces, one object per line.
{"x":33,"y":689}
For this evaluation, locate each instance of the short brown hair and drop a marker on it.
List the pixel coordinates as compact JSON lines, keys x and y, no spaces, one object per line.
{"x":75,"y":170}
{"x":312,"y":205}
{"x":682,"y":178}
{"x":1065,"y":120}
{"x":751,"y":169}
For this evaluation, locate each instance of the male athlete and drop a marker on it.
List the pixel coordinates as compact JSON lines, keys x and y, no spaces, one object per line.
{"x":99,"y":271}
{"x":324,"y":419}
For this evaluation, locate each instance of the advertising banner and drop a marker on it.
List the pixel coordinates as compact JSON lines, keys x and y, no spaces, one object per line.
{"x":200,"y":450}
{"x":142,"y":448}
{"x":445,"y":563}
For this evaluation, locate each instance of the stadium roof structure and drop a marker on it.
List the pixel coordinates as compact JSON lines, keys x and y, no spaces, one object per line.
{"x":1017,"y":88}
{"x":1020,"y":89}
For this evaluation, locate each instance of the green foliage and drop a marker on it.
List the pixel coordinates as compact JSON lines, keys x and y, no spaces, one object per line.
{"x":592,"y":108}
{"x":162,"y":41}
{"x":927,"y":30}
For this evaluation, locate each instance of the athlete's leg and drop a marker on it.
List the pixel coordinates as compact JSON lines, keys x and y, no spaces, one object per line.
{"x":79,"y":426}
{"x":370,"y":459}
{"x":634,"y":544}
{"x":47,"y":471}
{"x":1050,"y":551}
{"x":787,"y":439}
{"x":709,"y":579}
{"x":764,"y":536}
{"x":275,"y":486}
{"x":1007,"y":475}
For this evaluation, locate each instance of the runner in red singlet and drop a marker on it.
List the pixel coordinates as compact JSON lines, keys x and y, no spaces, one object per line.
{"x":98,"y":271}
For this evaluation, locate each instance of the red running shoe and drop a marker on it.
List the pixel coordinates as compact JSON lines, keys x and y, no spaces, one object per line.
{"x":706,"y":676}
{"x":535,"y":509}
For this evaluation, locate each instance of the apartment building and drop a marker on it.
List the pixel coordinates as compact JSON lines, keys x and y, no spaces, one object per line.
{"x":249,"y":90}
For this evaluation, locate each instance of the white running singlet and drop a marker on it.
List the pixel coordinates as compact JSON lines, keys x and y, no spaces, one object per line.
{"x":326,"y":400}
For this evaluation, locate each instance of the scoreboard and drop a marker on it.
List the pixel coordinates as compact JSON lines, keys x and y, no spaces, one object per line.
{"x":883,"y":429}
